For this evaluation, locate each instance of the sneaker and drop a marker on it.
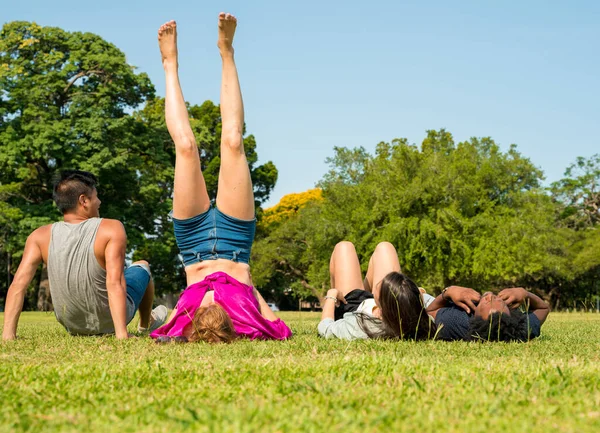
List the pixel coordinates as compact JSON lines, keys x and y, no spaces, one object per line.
{"x":158,"y":317}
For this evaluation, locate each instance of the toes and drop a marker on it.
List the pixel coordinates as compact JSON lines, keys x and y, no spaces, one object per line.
{"x":227,"y":17}
{"x":167,"y":28}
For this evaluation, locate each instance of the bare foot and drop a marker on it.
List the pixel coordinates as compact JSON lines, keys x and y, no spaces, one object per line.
{"x":227,"y":24}
{"x":167,"y":41}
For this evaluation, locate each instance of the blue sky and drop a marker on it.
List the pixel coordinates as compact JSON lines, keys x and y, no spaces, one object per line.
{"x":319,"y":74}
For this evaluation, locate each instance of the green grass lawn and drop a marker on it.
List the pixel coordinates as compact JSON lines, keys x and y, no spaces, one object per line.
{"x":50,"y":381}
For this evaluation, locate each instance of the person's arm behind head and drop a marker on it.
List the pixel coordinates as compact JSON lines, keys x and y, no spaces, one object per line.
{"x":32,"y":257}
{"x":518,"y":296}
{"x":462,"y":297}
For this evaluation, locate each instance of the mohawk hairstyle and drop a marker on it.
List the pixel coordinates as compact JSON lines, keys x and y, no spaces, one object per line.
{"x":69,"y":185}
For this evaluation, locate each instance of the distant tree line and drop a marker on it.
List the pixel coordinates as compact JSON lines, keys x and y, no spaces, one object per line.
{"x":458,"y":213}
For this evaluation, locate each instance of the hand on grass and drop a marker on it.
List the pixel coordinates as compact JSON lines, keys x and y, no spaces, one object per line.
{"x":513,"y":297}
{"x":463,"y":297}
{"x":125,"y":336}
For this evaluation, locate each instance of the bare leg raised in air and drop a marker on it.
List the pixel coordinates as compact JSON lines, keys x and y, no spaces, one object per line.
{"x":190,"y":197}
{"x":235,"y":196}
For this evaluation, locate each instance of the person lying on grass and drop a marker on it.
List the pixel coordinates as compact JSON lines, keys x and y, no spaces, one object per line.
{"x":386,"y":304}
{"x":219,"y":303}
{"x":92,"y":292}
{"x":463,"y":314}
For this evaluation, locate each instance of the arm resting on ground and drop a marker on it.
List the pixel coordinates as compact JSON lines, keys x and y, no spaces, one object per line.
{"x":32,"y":257}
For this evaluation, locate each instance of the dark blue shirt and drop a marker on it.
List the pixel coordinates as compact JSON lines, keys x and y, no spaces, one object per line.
{"x":455,"y":323}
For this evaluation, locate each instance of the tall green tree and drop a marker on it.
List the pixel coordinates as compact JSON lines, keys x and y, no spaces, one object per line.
{"x":65,"y":102}
{"x":465,"y":213}
{"x":579,"y":192}
{"x":286,"y":260}
{"x":578,"y":195}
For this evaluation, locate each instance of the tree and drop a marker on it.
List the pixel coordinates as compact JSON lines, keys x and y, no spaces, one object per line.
{"x":578,"y":195}
{"x":65,"y":99}
{"x":579,"y":192}
{"x":283,"y":260}
{"x":290,"y":261}
{"x":289,"y":206}
{"x":68,"y":100}
{"x":463,"y":213}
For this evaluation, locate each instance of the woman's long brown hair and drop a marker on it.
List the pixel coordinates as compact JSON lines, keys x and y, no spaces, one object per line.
{"x":403,"y":314}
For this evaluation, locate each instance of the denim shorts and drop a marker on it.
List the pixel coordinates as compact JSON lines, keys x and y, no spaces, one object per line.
{"x":137,"y":278}
{"x":214,"y":235}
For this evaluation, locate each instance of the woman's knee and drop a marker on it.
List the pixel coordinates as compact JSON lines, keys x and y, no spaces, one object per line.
{"x":232,"y":139}
{"x":143,"y":264}
{"x":186,"y":147}
{"x":344,"y":247}
{"x":385,"y":248}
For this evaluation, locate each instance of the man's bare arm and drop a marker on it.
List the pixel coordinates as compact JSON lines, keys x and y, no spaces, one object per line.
{"x":517,"y":296}
{"x":32,"y":257}
{"x":462,"y":297}
{"x":115,"y":277}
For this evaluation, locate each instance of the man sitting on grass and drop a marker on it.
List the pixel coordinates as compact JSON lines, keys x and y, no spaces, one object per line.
{"x":91,"y":291}
{"x":461,"y":313}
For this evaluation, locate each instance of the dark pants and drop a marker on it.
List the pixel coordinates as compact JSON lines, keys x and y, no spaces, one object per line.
{"x":353,"y":299}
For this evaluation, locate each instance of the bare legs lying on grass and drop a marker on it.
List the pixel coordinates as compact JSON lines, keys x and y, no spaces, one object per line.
{"x":390,"y":307}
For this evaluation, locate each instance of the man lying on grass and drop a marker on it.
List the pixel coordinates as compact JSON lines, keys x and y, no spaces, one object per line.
{"x":463,"y":314}
{"x":91,"y":291}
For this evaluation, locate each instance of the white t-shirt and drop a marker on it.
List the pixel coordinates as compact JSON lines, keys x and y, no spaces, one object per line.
{"x":348,"y":328}
{"x":367,"y":306}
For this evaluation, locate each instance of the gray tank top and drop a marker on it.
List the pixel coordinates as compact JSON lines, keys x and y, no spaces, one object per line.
{"x":77,"y":281}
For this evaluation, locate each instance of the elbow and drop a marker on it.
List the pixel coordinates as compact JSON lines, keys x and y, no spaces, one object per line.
{"x":113,"y":287}
{"x":323,"y":328}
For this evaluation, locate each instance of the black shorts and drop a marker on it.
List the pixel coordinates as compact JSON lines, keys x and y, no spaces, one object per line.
{"x":353,"y":299}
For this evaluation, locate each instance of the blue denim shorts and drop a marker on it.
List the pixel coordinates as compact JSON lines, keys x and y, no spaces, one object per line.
{"x":214,"y":235}
{"x":137,"y":278}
